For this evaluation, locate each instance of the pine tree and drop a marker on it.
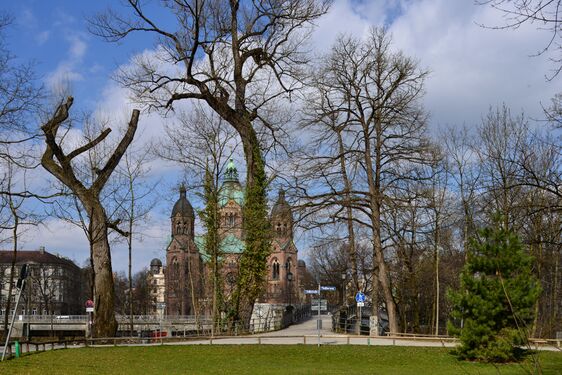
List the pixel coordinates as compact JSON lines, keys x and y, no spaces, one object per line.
{"x":494,"y":305}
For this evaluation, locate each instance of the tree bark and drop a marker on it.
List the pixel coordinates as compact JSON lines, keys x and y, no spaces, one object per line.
{"x":105,"y":324}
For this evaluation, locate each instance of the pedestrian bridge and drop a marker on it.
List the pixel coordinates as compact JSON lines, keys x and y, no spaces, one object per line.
{"x":183,"y":325}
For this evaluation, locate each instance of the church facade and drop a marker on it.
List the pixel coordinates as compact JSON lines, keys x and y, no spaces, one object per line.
{"x":187,"y":269}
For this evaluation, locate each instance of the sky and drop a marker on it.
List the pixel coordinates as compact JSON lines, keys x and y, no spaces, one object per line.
{"x":472,"y":68}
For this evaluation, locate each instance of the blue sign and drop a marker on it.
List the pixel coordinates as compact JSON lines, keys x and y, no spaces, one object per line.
{"x":360,"y":297}
{"x":310,"y":291}
{"x":331,"y":288}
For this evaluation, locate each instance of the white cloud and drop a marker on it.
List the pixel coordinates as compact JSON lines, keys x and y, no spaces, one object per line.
{"x":69,"y":69}
{"x":471,"y":67}
{"x":77,"y":48}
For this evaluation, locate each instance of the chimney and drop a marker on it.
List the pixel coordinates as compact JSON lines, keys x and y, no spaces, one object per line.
{"x":42,"y":249}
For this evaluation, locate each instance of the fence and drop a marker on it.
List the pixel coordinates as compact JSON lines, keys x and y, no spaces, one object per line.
{"x":399,"y":339}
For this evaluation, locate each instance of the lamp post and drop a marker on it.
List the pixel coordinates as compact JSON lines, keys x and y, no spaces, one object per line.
{"x":289,"y":282}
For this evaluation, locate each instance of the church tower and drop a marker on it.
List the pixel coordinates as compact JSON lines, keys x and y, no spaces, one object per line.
{"x":184,"y":266}
{"x":282,"y":280}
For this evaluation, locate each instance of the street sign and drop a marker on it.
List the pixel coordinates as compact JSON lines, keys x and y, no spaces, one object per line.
{"x":361,"y":304}
{"x":323,"y":304}
{"x":310,"y":291}
{"x":89,"y":309}
{"x":360,"y":297}
{"x":330,"y":288}
{"x":89,"y":303}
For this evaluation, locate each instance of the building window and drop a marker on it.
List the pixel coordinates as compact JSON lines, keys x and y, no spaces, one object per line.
{"x":231,"y":220}
{"x":275,"y":270}
{"x":288,"y":266}
{"x":34,"y":311}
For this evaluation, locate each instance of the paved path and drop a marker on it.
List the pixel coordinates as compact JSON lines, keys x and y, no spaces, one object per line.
{"x":306,"y":328}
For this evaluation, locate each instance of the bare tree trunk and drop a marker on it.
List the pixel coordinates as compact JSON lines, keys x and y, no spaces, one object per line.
{"x":375,"y":199}
{"x":349,"y":213}
{"x":105,"y":324}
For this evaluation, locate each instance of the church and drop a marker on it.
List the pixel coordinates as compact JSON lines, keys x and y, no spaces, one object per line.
{"x":187,"y":291}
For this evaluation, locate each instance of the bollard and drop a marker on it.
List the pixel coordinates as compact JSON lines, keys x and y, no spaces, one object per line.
{"x":18,"y":349}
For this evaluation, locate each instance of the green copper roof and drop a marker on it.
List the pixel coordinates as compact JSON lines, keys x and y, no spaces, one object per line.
{"x":229,"y":245}
{"x":232,"y":245}
{"x":231,"y":173}
{"x":231,"y":188}
{"x":200,"y":243}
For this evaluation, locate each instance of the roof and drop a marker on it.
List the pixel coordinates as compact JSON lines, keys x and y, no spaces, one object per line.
{"x":281,"y":207}
{"x":200,"y":244}
{"x":231,"y":173}
{"x":231,"y":188}
{"x":229,"y":245}
{"x":34,"y":256}
{"x":156,"y":262}
{"x":182,"y":206}
{"x":232,"y":245}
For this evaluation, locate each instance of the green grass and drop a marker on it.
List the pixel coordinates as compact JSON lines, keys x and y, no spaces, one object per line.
{"x":264,"y":359}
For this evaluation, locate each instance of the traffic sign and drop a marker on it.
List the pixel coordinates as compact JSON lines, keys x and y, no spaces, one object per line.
{"x":89,"y":306}
{"x":360,"y":297}
{"x":310,"y":291}
{"x":330,"y":288}
{"x":360,"y":304}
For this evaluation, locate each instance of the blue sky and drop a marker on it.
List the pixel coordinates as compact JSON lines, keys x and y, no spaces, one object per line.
{"x":471,"y":70}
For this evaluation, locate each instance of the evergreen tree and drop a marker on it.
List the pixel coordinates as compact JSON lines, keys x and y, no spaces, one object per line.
{"x":495,"y":302}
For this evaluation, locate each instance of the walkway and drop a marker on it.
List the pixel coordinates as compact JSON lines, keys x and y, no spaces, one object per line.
{"x":306,"y":328}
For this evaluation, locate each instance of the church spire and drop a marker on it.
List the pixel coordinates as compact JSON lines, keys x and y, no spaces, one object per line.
{"x":231,"y":173}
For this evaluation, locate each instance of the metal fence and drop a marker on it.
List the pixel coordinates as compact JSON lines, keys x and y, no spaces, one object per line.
{"x":147,"y":326}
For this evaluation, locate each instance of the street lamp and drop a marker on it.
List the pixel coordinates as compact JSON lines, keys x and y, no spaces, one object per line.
{"x":289,"y":280}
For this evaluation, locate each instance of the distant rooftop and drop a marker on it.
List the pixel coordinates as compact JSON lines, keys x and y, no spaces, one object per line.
{"x":34,"y":257}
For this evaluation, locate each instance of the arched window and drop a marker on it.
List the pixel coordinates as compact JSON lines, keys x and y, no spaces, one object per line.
{"x":231,"y":219}
{"x":175,"y":268}
{"x":178,"y":228}
{"x":288,"y":265}
{"x":275,"y":270}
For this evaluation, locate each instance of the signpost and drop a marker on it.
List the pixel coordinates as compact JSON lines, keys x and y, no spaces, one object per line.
{"x":90,"y":310}
{"x":319,"y":320}
{"x":360,"y":299}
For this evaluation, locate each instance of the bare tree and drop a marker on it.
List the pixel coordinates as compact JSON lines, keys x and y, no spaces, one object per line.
{"x":326,"y":168}
{"x":134,"y":202}
{"x":60,"y":164}
{"x":378,"y":90}
{"x":546,"y":14}
{"x":18,"y":217}
{"x":238,"y":57}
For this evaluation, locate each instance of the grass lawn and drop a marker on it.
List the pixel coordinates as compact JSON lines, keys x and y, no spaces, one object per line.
{"x":264,"y":359}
